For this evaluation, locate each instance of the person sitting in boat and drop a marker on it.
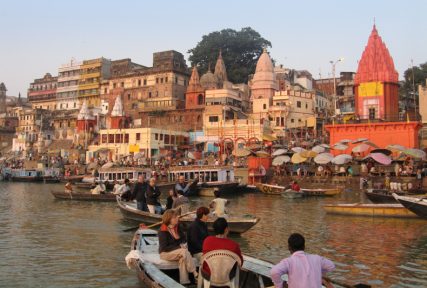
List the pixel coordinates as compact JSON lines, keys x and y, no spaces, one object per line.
{"x":173,"y":246}
{"x":303,"y":269}
{"x":181,"y":202}
{"x":68,"y":187}
{"x":116,"y":188}
{"x":171,"y":198}
{"x":139,"y":192}
{"x":219,"y":242}
{"x":197,"y":232}
{"x":184,"y":187}
{"x":99,"y":189}
{"x":218,"y":204}
{"x":295,"y":186}
{"x":125,"y":192}
{"x":153,"y":194}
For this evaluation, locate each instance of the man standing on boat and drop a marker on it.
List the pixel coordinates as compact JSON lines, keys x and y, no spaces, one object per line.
{"x":153,"y":194}
{"x":138,"y":193}
{"x":185,"y":188}
{"x":303,"y":269}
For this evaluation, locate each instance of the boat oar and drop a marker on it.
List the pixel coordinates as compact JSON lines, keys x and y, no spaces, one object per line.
{"x":155,"y":224}
{"x":345,"y":285}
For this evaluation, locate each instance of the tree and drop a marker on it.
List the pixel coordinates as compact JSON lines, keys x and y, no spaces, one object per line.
{"x":412,"y":78}
{"x":240,"y":51}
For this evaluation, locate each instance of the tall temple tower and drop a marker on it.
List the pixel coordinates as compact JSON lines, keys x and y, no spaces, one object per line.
{"x":2,"y":98}
{"x":264,"y":82}
{"x":220,"y":71}
{"x":195,"y":95}
{"x":376,"y":82}
{"x":118,"y":118}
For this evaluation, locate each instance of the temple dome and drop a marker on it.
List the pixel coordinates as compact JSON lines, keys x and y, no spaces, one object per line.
{"x":118,"y":110}
{"x":376,"y":63}
{"x":84,"y":113}
{"x":264,"y":77}
{"x":210,"y":81}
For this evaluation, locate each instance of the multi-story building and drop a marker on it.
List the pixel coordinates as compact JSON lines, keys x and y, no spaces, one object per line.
{"x":42,"y":92}
{"x":422,"y":92}
{"x":3,"y":91}
{"x":92,"y":72}
{"x":67,"y":91}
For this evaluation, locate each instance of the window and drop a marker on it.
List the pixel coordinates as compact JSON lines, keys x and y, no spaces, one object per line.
{"x":277,"y":121}
{"x":129,"y":96}
{"x":371,"y":113}
{"x":156,"y":136}
{"x":126,"y":138}
{"x":200,"y":99}
{"x":161,"y":137}
{"x":157,"y":80}
{"x":119,"y":138}
{"x":145,"y":82}
{"x":114,"y":85}
{"x":292,"y":120}
{"x":138,"y":136}
{"x":299,"y":120}
{"x":149,"y":94}
{"x":123,"y":84}
{"x":172,"y":139}
{"x":161,"y":80}
{"x":299,"y":104}
{"x":105,"y":90}
{"x":166,"y":80}
{"x":139,"y":82}
{"x":104,"y":138}
{"x":166,"y":139}
{"x":176,"y":80}
{"x":306,"y":106}
{"x":264,"y":106}
{"x":110,"y":138}
{"x":213,"y":118}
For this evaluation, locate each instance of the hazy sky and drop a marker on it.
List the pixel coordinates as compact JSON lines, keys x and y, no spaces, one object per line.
{"x":38,"y":36}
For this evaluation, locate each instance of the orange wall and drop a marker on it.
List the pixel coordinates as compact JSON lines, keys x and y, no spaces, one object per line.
{"x":382,"y":134}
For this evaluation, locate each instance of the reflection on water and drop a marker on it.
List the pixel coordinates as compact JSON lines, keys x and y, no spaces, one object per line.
{"x":50,"y":243}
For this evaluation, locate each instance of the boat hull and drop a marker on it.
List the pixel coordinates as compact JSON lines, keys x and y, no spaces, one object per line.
{"x":108,"y":197}
{"x":417,"y":206}
{"x":270,"y":189}
{"x":235,"y":225}
{"x":208,"y":190}
{"x":380,"y":196}
{"x":321,"y":191}
{"x":371,"y":210}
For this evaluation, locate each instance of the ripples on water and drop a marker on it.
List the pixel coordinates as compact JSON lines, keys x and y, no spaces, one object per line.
{"x":49,"y":243}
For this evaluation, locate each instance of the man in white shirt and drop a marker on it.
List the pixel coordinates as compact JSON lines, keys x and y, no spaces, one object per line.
{"x":218,"y":204}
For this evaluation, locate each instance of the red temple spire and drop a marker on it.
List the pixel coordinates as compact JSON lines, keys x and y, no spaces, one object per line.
{"x":194,"y":83}
{"x":376,"y":63}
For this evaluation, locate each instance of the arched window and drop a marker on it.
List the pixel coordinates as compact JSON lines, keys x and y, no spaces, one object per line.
{"x":200,"y":99}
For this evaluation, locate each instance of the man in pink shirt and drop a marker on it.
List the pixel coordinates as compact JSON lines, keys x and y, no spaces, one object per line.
{"x":304,"y":270}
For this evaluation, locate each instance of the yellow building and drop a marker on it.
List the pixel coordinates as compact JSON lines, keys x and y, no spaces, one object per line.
{"x":117,"y":143}
{"x":92,"y":72}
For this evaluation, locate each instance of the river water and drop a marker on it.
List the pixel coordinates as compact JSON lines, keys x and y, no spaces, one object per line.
{"x":52,"y":243}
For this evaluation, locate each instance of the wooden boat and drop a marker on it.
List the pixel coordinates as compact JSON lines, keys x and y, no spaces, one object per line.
{"x":416,"y":205}
{"x":270,"y":189}
{"x":51,"y":179}
{"x":84,"y":185}
{"x":372,"y":210}
{"x":210,"y":178}
{"x":380,"y":196}
{"x":72,"y":179}
{"x":107,"y":197}
{"x":157,"y":273}
{"x":235,"y":224}
{"x":26,"y":175}
{"x":291,"y":194}
{"x":121,"y":173}
{"x":322,"y":191}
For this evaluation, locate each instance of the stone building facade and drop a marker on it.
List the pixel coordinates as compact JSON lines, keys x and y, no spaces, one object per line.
{"x":42,"y":92}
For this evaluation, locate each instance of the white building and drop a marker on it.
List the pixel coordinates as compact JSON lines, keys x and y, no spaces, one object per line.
{"x":68,"y":86}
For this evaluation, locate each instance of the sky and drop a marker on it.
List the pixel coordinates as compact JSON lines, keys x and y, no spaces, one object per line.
{"x":38,"y":36}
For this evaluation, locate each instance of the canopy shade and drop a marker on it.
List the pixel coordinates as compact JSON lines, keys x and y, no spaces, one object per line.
{"x":381,"y":158}
{"x":415,"y":153}
{"x":342,"y":159}
{"x":318,"y":149}
{"x":297,"y":158}
{"x":323,"y":158}
{"x":298,"y":149}
{"x":361,"y":148}
{"x":241,"y":152}
{"x":279,"y":160}
{"x":279,"y":152}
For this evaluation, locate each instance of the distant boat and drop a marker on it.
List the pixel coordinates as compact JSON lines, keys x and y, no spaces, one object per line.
{"x":371,"y":210}
{"x":270,"y":189}
{"x":322,"y":191}
{"x":76,"y":196}
{"x":235,"y":224}
{"x":26,"y":175}
{"x":417,"y":205}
